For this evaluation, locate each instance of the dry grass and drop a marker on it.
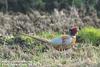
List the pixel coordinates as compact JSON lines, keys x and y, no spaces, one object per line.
{"x":86,"y":55}
{"x":14,"y":23}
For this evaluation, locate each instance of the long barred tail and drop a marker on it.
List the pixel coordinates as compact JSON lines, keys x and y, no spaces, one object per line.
{"x":38,"y":38}
{"x":42,"y":40}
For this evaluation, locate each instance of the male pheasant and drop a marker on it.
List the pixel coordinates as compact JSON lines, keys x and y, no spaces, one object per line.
{"x":65,"y":41}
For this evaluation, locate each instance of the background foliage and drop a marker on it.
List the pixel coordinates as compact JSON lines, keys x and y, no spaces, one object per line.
{"x":48,"y":5}
{"x":90,"y":34}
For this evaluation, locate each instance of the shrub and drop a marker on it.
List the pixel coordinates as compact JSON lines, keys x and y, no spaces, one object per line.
{"x":90,"y":34}
{"x":18,"y":39}
{"x":8,"y":39}
{"x":23,"y":40}
{"x":27,"y":5}
{"x":29,"y":40}
{"x":78,"y":3}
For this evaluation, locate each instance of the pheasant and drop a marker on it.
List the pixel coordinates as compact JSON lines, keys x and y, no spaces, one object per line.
{"x":66,"y":41}
{"x":63,"y":42}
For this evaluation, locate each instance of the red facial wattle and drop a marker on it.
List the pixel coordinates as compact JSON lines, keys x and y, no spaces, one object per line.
{"x":73,"y":31}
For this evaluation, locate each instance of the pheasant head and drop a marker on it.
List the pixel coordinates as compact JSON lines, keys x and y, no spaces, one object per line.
{"x":73,"y":30}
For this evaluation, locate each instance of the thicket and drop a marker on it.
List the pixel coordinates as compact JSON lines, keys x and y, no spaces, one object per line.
{"x":48,"y":5}
{"x":90,"y":34}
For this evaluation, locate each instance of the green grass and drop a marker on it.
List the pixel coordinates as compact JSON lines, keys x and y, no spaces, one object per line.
{"x":0,"y":64}
{"x":29,"y":40}
{"x":90,"y":34}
